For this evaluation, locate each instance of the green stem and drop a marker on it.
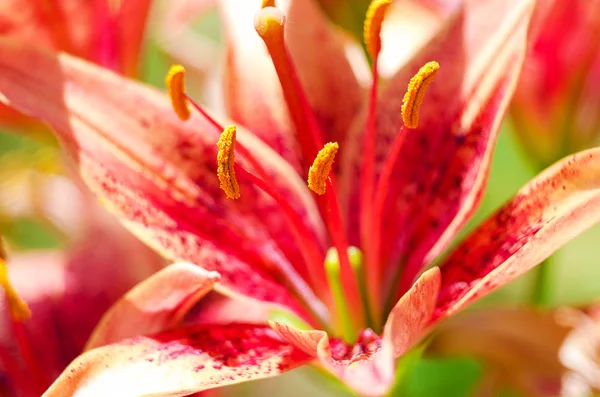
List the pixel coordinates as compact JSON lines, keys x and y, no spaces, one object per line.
{"x":542,"y":284}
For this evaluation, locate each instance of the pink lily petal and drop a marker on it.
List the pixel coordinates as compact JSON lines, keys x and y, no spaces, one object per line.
{"x":161,"y":175}
{"x":357,"y":366}
{"x":157,"y":304}
{"x":560,"y":203}
{"x":253,"y":92}
{"x":197,"y":358}
{"x":408,"y":28}
{"x":408,"y":319}
{"x":443,"y":165}
{"x":223,"y":306}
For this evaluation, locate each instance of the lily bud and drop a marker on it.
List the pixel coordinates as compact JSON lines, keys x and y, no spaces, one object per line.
{"x":556,"y":108}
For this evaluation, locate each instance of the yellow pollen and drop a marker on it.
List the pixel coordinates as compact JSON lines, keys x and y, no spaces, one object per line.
{"x":175,"y":85}
{"x":18,"y":307}
{"x":225,"y":163}
{"x":416,"y":92}
{"x":372,"y":28}
{"x":268,"y":3}
{"x":318,"y":174}
{"x":269,"y":23}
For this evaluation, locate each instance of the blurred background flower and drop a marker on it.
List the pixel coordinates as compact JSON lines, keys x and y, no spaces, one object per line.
{"x":556,"y":109}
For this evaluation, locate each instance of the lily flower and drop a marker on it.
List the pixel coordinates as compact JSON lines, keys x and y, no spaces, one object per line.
{"x":556,"y":106}
{"x":55,"y":298}
{"x":55,"y":301}
{"x":343,"y":264}
{"x":106,"y":32}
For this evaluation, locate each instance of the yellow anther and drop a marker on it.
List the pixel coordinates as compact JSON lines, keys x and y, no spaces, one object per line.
{"x":416,"y":92}
{"x":176,"y":87}
{"x":225,"y":163}
{"x":269,"y":23}
{"x":268,"y":3}
{"x":372,"y":28}
{"x":17,"y":306}
{"x":318,"y":174}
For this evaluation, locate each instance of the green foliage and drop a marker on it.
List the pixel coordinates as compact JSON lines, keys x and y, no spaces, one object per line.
{"x":453,"y":377}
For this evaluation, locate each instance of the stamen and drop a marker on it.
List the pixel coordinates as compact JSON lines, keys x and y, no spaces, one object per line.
{"x":372,"y":35}
{"x":225,"y":163}
{"x":318,"y":174}
{"x":416,"y":92}
{"x":372,"y":28}
{"x":269,"y":24}
{"x":226,"y":172}
{"x":18,"y":307}
{"x":410,"y":114}
{"x":268,"y":3}
{"x":176,"y":88}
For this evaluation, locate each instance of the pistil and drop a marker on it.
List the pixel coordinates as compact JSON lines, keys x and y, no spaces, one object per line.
{"x":270,"y":24}
{"x":410,"y":116}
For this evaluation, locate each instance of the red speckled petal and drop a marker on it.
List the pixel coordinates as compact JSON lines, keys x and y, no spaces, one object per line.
{"x":253,"y":93}
{"x":179,"y":362}
{"x":360,"y":366}
{"x":560,"y":203}
{"x":443,"y":165}
{"x":156,"y":304}
{"x":409,"y":318}
{"x":223,"y":306}
{"x":159,"y":174}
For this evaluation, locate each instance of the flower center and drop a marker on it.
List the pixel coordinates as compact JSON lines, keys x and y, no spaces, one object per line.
{"x":348,"y":284}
